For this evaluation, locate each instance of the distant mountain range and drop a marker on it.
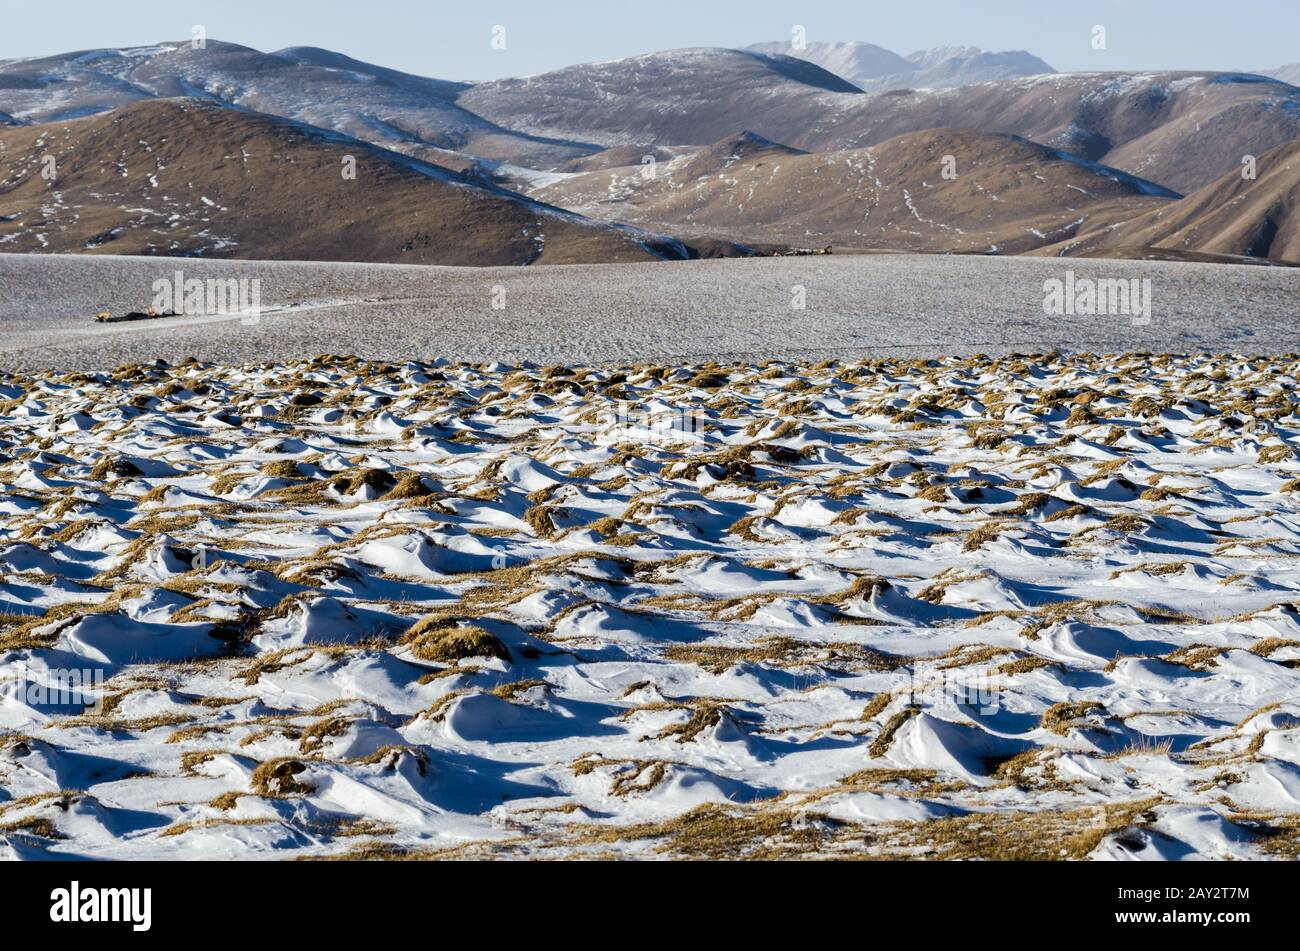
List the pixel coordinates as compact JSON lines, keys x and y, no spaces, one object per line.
{"x":875,"y":69}
{"x":1288,"y":74}
{"x":412,"y":114}
{"x":702,"y":151}
{"x":1179,"y":129}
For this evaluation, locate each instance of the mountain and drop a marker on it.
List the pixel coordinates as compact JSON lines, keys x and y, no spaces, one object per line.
{"x":410,"y":114}
{"x":1288,"y":74}
{"x":1008,"y":195}
{"x":1234,"y":216}
{"x":963,"y":66}
{"x":578,"y":138}
{"x":857,"y":62}
{"x":189,"y":177}
{"x":622,"y":155}
{"x":679,"y":97}
{"x":1182,"y":130}
{"x":875,"y":69}
{"x":729,"y":154}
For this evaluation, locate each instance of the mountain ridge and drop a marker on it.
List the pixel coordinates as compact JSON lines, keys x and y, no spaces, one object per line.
{"x":875,"y":69}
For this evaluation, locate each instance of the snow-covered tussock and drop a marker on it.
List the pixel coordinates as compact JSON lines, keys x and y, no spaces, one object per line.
{"x":1025,"y":607}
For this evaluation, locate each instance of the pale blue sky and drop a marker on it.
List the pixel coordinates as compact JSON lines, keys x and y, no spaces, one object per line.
{"x":450,"y":40}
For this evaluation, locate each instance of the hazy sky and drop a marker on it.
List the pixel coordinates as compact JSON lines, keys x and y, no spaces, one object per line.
{"x":451,"y":40}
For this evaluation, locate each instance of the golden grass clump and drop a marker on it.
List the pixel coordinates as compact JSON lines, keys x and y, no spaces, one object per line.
{"x":409,"y":486}
{"x":434,"y":640}
{"x":880,"y":745}
{"x":282,"y":469}
{"x":355,"y":480}
{"x":705,"y":716}
{"x":277,"y":779}
{"x":1060,"y":718}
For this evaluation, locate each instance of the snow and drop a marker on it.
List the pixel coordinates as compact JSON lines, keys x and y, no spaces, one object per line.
{"x":1140,"y":184}
{"x":855,"y":614}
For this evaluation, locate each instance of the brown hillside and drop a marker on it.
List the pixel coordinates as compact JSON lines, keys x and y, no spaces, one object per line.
{"x":1009,"y":195}
{"x":186,"y":177}
{"x":1234,"y":216}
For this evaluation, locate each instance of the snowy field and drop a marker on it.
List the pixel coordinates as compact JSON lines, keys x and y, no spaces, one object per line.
{"x":998,"y":607}
{"x":688,"y":312}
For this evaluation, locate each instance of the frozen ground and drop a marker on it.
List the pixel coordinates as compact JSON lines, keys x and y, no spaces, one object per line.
{"x":993,"y":608}
{"x":735,"y":309}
